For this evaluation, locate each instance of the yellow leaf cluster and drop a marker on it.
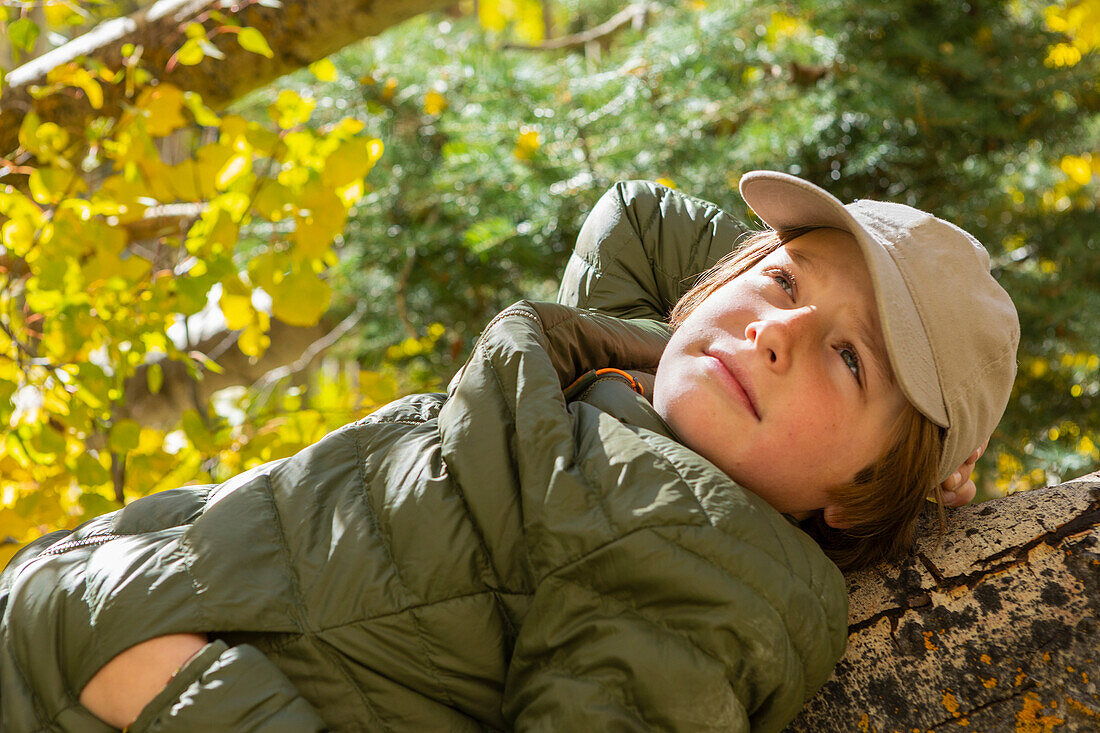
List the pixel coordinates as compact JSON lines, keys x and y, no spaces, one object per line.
{"x":1079,"y":21}
{"x":97,"y":306}
{"x":527,"y":145}
{"x":525,"y":16}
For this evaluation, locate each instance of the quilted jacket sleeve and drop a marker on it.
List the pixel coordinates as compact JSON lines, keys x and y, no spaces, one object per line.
{"x":228,"y":688}
{"x":641,"y":247}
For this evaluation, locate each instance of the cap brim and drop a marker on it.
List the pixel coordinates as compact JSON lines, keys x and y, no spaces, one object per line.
{"x":783,"y":201}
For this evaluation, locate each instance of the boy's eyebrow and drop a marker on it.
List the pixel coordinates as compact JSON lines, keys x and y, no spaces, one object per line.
{"x":804,"y":261}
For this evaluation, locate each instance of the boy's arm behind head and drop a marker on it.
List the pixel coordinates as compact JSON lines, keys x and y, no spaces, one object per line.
{"x":642,"y":247}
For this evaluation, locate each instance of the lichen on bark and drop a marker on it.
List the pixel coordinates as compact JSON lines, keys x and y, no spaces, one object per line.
{"x":995,"y":627}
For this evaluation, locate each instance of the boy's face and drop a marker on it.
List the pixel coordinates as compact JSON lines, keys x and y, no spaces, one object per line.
{"x":781,"y":378}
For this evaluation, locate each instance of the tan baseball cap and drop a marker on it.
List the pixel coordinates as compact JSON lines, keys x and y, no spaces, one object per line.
{"x":951,"y":331}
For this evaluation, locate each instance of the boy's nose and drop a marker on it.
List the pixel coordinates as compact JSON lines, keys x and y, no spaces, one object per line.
{"x":778,"y":337}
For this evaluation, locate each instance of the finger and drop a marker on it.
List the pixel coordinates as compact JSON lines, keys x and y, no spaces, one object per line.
{"x":957,"y":479}
{"x":964,"y":494}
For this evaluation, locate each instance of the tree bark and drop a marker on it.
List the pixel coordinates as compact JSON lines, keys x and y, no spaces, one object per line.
{"x":994,"y":629}
{"x":299,"y":33}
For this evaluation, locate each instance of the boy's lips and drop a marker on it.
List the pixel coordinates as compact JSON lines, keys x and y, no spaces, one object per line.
{"x":736,"y":381}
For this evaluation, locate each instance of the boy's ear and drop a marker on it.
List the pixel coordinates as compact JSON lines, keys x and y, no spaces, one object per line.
{"x":834,"y":517}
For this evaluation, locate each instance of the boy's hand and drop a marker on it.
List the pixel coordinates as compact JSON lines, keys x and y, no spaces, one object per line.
{"x":958,"y":489}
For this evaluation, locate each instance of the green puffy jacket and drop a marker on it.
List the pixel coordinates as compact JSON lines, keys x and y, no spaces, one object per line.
{"x":502,"y":556}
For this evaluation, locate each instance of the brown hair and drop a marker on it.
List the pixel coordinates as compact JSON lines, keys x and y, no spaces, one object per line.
{"x":882,"y":503}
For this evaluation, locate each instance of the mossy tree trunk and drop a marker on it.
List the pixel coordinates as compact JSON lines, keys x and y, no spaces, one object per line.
{"x":996,"y":628}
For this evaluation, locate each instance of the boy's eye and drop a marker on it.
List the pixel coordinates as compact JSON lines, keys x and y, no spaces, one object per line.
{"x":785,"y":280}
{"x":851,"y":359}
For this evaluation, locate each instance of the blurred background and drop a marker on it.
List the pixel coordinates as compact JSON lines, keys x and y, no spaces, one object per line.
{"x":210,"y":259}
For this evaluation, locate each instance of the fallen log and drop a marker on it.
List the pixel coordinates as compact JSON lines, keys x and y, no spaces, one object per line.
{"x":996,"y":628}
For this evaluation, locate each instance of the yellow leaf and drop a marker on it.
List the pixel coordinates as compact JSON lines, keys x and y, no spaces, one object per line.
{"x":527,"y":145}
{"x":312,"y":236}
{"x":191,"y":52}
{"x":389,"y":89}
{"x":301,"y":298}
{"x":50,"y":185}
{"x":236,"y":303}
{"x":324,"y":70}
{"x":351,"y":160}
{"x":46,"y":140}
{"x":1079,"y":169}
{"x":667,"y":182}
{"x":290,"y":109}
{"x":233,"y":169}
{"x":90,"y":471}
{"x":253,"y":342}
{"x":162,"y":106}
{"x":154,"y":377}
{"x":491,"y":15}
{"x":18,"y":236}
{"x":252,"y":40}
{"x":530,"y":26}
{"x":237,"y":310}
{"x":209,"y":162}
{"x":203,"y":115}
{"x":434,"y":103}
{"x":79,"y":77}
{"x":124,"y":436}
{"x":273,"y":201}
{"x":60,"y":14}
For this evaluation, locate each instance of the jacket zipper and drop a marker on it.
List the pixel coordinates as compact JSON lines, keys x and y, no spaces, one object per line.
{"x":73,"y":544}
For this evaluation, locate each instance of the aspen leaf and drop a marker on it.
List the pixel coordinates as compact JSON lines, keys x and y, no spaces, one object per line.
{"x":273,"y":201}
{"x":47,"y":441}
{"x":290,"y":109}
{"x":434,"y":103}
{"x":191,"y":52}
{"x":301,"y":299}
{"x":1077,"y":168}
{"x":530,"y":26}
{"x":46,"y":140}
{"x":203,"y":115}
{"x":527,"y":145}
{"x":236,"y":303}
{"x":18,"y":236}
{"x":351,"y":160}
{"x":89,"y":471}
{"x":60,"y":14}
{"x":313,"y":235}
{"x":124,"y":436}
{"x":252,"y":40}
{"x":491,"y":15}
{"x":50,"y":185}
{"x":154,"y":377}
{"x":254,"y":341}
{"x":261,"y":139}
{"x":233,"y":169}
{"x":23,"y":33}
{"x":79,"y":77}
{"x":162,"y":106}
{"x":197,"y":433}
{"x":324,"y":70}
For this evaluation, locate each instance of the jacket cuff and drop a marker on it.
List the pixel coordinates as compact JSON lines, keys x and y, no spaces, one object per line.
{"x":228,"y":688}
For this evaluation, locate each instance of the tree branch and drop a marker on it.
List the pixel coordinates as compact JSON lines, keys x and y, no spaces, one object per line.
{"x":634,"y":15}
